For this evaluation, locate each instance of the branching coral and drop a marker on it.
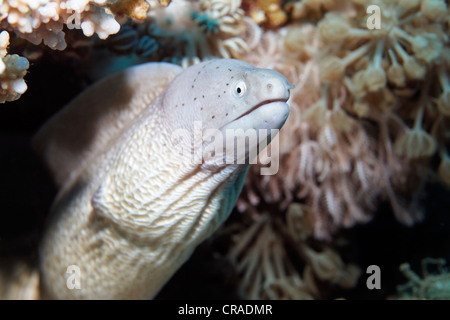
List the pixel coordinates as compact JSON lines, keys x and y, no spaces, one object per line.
{"x":187,"y":32}
{"x":43,"y":20}
{"x":12,"y":70}
{"x":432,"y":286}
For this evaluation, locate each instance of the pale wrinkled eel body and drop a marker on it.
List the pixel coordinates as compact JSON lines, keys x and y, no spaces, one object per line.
{"x":131,"y":209}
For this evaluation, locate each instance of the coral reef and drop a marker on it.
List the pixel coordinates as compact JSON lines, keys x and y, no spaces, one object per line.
{"x":186,"y":33}
{"x":43,"y":22}
{"x":369,"y":117}
{"x":12,"y":70}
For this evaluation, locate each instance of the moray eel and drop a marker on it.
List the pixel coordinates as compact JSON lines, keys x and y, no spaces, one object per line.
{"x":132,"y":207}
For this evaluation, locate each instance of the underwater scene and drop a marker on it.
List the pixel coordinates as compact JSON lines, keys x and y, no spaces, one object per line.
{"x":341,"y":190}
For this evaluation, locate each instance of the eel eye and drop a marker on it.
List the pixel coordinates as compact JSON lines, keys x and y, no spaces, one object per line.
{"x":240,"y":88}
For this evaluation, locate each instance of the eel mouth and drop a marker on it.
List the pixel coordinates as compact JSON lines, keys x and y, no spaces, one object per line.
{"x":258,"y":106}
{"x":272,"y":108}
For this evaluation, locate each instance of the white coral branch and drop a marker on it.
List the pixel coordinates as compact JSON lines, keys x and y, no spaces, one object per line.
{"x":12,"y":70}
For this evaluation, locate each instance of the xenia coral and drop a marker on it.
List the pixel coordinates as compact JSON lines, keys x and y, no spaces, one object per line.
{"x":269,"y":13}
{"x":366,"y":118}
{"x":263,"y":253}
{"x":307,"y":9}
{"x":431,"y":286}
{"x":186,"y":32}
{"x":367,"y":114}
{"x":12,"y":70}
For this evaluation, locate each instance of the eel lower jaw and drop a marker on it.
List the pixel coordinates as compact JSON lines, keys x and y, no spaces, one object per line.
{"x":258,"y":106}
{"x":269,"y":114}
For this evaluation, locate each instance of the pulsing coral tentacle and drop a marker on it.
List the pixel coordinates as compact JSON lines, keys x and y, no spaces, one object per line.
{"x":416,"y":142}
{"x":233,"y":47}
